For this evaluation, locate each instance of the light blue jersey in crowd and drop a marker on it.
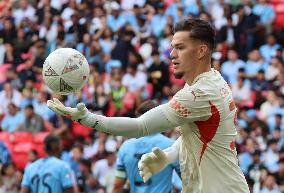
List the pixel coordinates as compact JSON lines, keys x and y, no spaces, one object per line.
{"x":48,"y":175}
{"x":127,"y":162}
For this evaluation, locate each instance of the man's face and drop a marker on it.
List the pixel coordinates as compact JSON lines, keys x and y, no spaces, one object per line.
{"x":28,"y":112}
{"x":184,"y":53}
{"x":232,"y":55}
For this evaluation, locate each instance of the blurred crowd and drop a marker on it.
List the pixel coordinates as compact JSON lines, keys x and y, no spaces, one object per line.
{"x":127,"y":44}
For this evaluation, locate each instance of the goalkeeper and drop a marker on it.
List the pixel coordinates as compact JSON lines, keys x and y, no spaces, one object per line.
{"x":204,"y":109}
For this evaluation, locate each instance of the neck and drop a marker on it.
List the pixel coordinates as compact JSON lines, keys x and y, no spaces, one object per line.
{"x":200,"y":68}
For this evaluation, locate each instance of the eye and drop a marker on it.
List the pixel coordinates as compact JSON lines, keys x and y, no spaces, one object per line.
{"x":179,"y":48}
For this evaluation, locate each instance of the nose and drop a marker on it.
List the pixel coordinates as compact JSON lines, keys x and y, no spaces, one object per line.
{"x":173,"y":54}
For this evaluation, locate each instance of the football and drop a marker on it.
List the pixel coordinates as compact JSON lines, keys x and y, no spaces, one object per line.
{"x":65,"y":71}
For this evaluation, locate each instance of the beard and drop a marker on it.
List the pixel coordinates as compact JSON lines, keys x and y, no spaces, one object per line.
{"x":178,"y":75}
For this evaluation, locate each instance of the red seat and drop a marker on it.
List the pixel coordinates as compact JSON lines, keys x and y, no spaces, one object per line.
{"x":128,"y":101}
{"x":48,"y":126}
{"x":80,"y":130}
{"x":39,"y":147}
{"x":39,"y":137}
{"x":149,"y":87}
{"x":24,"y":147}
{"x":5,"y":136}
{"x":20,"y":160}
{"x":39,"y":143}
{"x":19,"y":137}
{"x":20,"y":154}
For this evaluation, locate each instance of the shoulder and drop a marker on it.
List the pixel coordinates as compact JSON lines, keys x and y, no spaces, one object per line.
{"x":57,"y":162}
{"x":33,"y":165}
{"x":130,"y":143}
{"x":165,"y":141}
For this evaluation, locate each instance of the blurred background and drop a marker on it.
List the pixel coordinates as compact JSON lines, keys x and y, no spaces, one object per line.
{"x":127,"y":44}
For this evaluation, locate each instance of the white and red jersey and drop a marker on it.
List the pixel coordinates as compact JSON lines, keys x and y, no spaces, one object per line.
{"x":207,"y":115}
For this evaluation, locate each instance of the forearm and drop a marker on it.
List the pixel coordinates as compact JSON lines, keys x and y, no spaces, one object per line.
{"x":172,"y":152}
{"x":153,"y":121}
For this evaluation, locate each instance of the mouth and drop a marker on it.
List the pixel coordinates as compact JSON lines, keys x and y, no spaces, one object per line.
{"x":175,"y":64}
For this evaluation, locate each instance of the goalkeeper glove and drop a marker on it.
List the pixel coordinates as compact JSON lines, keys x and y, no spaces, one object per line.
{"x":76,"y":114}
{"x":152,"y":163}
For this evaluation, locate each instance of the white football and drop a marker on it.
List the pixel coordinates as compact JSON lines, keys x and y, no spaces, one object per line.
{"x":65,"y":71}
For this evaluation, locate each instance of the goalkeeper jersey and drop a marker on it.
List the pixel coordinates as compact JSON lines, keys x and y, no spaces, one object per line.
{"x":207,"y":115}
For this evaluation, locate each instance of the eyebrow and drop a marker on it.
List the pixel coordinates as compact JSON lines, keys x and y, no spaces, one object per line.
{"x":175,"y":45}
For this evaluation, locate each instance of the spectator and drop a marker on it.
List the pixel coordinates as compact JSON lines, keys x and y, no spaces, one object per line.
{"x":86,"y":182}
{"x":102,"y":139}
{"x":267,"y":107}
{"x":266,"y":13}
{"x":254,"y":171}
{"x":270,"y":185}
{"x":11,"y":178}
{"x":273,"y":69}
{"x":8,"y":95}
{"x":254,"y":64}
{"x":241,"y":92}
{"x":230,"y":68}
{"x":271,"y":157}
{"x":24,"y":11}
{"x":135,"y":82}
{"x":13,"y":119}
{"x":159,"y":20}
{"x":158,"y":74}
{"x":33,"y":122}
{"x":279,"y":175}
{"x":268,"y":50}
{"x":246,"y":157}
{"x":259,"y":83}
{"x":104,"y":167}
{"x":8,"y":32}
{"x":40,"y":106}
{"x":228,"y":34}
{"x":73,"y":158}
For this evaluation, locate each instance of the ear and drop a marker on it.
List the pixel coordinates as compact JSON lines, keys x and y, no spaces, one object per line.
{"x":203,"y":49}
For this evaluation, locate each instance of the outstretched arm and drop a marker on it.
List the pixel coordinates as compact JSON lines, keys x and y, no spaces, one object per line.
{"x":153,"y":121}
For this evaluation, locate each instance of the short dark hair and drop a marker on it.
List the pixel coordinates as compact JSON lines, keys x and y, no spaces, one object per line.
{"x":29,"y":106}
{"x":145,"y":106}
{"x":198,"y":29}
{"x":50,"y":143}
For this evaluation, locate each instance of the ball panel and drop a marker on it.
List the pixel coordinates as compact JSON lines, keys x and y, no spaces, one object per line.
{"x":65,"y":71}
